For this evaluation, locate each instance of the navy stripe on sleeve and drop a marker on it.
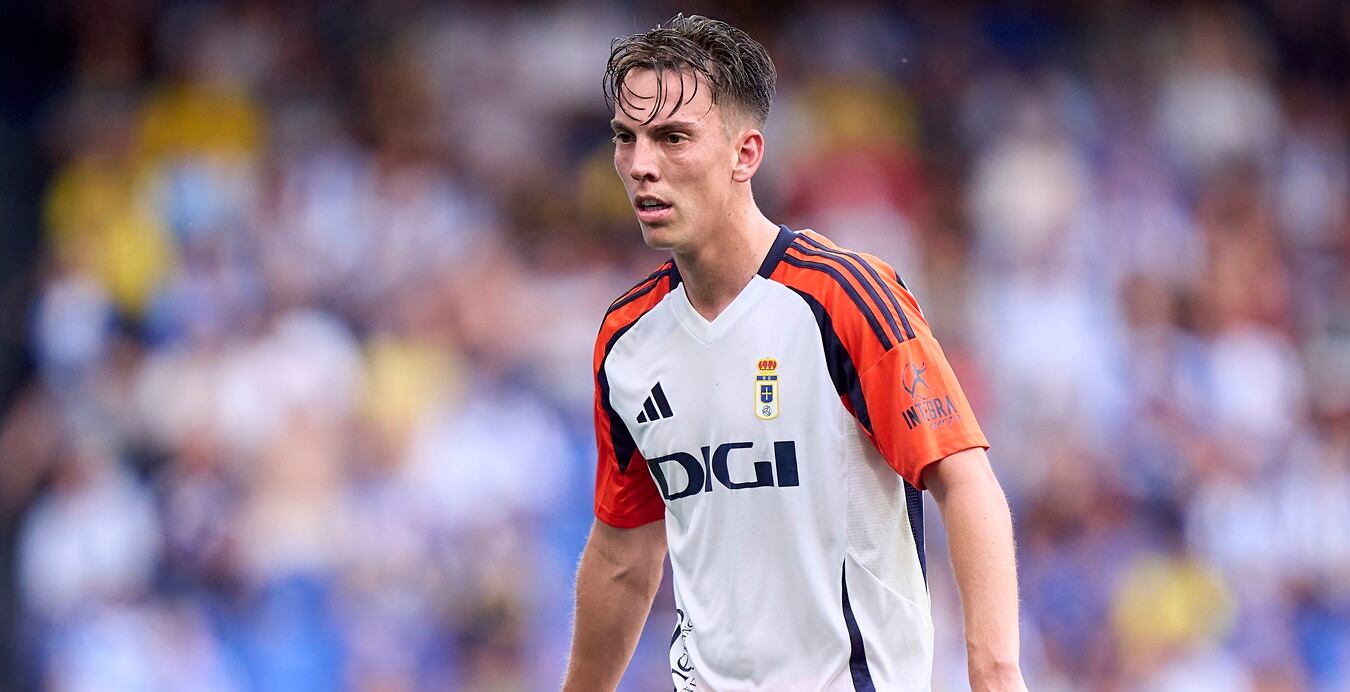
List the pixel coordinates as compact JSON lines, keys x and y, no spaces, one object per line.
{"x":620,"y":437}
{"x":867,"y":285}
{"x":647,"y":285}
{"x":852,"y":294}
{"x":895,"y":303}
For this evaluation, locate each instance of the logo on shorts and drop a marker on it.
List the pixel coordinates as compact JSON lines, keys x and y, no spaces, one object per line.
{"x":936,"y":411}
{"x":766,"y":389}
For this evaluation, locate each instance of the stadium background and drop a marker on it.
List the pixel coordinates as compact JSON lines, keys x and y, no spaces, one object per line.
{"x":298,"y":301}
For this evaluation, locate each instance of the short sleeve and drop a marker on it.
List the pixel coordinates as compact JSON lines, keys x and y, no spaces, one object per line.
{"x":887,"y":367}
{"x":919,"y":413}
{"x":625,"y":494}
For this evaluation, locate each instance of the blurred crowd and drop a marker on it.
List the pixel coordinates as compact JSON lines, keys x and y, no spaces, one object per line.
{"x":319,"y":282}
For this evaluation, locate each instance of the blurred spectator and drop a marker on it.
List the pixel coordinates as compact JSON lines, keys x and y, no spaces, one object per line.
{"x":315,"y":307}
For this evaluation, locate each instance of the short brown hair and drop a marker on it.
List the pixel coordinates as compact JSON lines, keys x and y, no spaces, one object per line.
{"x":735,"y":66}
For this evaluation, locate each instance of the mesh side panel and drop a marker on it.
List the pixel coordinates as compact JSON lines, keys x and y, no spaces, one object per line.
{"x":879,"y":535}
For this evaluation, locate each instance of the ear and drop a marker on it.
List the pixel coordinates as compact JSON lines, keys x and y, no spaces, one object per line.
{"x":749,"y":154}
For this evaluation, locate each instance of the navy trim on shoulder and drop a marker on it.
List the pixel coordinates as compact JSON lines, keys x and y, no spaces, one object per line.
{"x":650,"y":283}
{"x":620,"y":438}
{"x":837,"y":361}
{"x":675,"y":278}
{"x":898,"y":280}
{"x":857,"y":655}
{"x":867,"y":285}
{"x":780,"y":245}
{"x":852,"y":294}
{"x":914,"y":506}
{"x":665,"y":266}
{"x":895,"y":303}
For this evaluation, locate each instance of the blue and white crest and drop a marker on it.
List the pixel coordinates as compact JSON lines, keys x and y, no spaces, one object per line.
{"x":766,"y":389}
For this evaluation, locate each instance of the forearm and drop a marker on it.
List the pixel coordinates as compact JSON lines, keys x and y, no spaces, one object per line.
{"x":613,"y":601}
{"x":980,"y":538}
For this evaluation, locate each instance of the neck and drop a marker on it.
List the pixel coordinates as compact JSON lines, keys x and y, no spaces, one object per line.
{"x":716,"y":272}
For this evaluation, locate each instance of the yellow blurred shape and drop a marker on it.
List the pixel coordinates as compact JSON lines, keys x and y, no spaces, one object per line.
{"x":405,"y":378}
{"x":866,"y":111}
{"x":602,"y":193}
{"x":198,"y":119}
{"x":99,"y":219}
{"x":1164,"y":602}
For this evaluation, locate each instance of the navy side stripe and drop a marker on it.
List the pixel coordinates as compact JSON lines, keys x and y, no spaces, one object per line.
{"x":848,"y":288}
{"x":895,"y":303}
{"x":619,"y":436}
{"x":840,"y":365}
{"x":857,"y":652}
{"x":647,"y":288}
{"x":914,"y":505}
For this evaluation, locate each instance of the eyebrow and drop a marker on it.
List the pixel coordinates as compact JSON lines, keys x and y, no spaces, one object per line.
{"x":658,"y":129}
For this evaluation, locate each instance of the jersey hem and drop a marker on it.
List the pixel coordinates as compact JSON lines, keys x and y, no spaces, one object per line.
{"x":917,"y":482}
{"x":623,"y":522}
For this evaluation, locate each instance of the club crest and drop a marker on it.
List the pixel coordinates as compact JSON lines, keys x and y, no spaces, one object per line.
{"x":766,"y":389}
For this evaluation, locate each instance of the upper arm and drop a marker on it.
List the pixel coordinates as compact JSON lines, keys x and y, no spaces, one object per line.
{"x":965,"y":468}
{"x":642,"y":547}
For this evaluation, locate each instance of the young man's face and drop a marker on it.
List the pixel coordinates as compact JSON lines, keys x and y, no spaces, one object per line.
{"x":677,"y":168}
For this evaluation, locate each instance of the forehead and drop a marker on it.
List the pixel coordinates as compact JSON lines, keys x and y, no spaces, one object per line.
{"x":681,"y":94}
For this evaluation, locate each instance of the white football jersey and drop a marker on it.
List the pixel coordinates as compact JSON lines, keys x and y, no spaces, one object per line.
{"x":783,"y":444}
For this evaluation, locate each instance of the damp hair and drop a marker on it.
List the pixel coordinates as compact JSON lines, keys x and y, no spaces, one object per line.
{"x":735,"y":67}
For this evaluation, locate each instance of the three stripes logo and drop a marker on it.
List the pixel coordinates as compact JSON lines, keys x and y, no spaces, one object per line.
{"x":655,"y":407}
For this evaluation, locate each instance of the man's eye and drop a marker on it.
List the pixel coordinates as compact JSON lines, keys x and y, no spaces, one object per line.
{"x":622,"y":138}
{"x":675,"y":138}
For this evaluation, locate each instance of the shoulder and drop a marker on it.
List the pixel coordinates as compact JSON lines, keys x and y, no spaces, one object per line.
{"x":812,"y":246}
{"x":632,"y":304}
{"x":642,"y":296}
{"x":654,"y":283}
{"x":850,"y":288}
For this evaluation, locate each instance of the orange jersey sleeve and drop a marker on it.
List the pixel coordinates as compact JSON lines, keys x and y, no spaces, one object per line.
{"x":625,"y":494}
{"x":888,"y":369}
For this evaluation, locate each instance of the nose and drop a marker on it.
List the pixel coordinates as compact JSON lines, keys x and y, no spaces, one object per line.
{"x":644,"y":165}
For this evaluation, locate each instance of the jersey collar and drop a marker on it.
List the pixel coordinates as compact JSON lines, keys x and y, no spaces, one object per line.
{"x":780,"y":245}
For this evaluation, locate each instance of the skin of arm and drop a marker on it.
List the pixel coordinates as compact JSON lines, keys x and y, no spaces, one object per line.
{"x":980,"y":539}
{"x":619,"y":573}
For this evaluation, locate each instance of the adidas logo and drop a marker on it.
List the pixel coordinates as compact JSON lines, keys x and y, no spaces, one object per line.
{"x":655,"y":407}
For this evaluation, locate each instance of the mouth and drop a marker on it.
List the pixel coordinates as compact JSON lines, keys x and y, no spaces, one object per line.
{"x":651,"y":208}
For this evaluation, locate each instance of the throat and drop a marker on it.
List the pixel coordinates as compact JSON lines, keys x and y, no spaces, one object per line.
{"x":715,"y":274}
{"x":710,"y":308}
{"x":711,"y":289}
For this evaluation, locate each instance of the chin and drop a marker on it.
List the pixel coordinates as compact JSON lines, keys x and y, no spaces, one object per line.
{"x":660,"y":237}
